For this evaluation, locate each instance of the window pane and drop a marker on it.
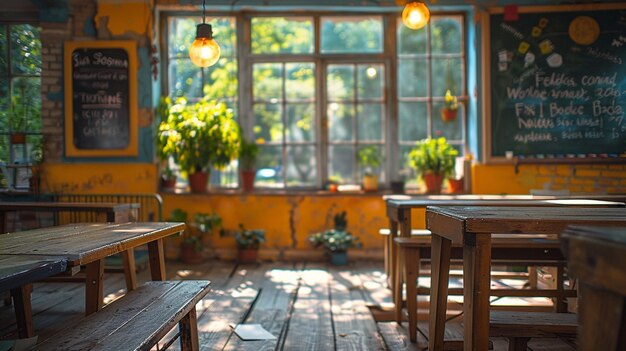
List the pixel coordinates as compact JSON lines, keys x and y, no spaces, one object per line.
{"x":378,"y":171}
{"x":412,"y":124}
{"x":26,"y":104}
{"x":4,"y":156}
{"x":4,"y":103}
{"x":222,"y":80}
{"x":446,"y":34}
{"x":404,"y":151}
{"x":370,"y":122}
{"x":269,"y":166}
{"x":25,"y":49}
{"x":412,"y":78}
{"x":340,"y":121}
{"x":410,"y":41}
{"x":301,"y":166}
{"x":280,"y":35}
{"x":340,"y":82}
{"x":268,"y":123}
{"x":447,"y":75}
{"x":224,"y":33}
{"x":300,"y":122}
{"x":370,"y":81}
{"x":3,"y":50}
{"x":362,"y":34}
{"x":342,"y":163}
{"x":452,"y":130}
{"x":185,"y":79}
{"x":267,"y":81}
{"x":182,"y":32}
{"x":300,"y":82}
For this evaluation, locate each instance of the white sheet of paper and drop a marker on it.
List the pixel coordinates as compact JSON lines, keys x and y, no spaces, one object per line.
{"x":252,"y":332}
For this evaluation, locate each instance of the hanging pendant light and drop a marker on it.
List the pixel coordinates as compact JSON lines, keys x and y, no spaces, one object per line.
{"x":415,"y":14}
{"x":204,"y":51}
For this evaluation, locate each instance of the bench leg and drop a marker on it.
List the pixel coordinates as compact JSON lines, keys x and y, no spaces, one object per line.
{"x":397,"y":282}
{"x":518,"y":344}
{"x":602,"y":318}
{"x":441,"y":249}
{"x":411,"y":271}
{"x":188,"y":327}
{"x":23,"y":311}
{"x":393,"y":250}
{"x":157,"y":260}
{"x":560,"y":302}
{"x":94,"y":289}
{"x":128,"y":259}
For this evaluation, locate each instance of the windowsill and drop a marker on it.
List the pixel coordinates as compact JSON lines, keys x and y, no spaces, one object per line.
{"x":283,"y":192}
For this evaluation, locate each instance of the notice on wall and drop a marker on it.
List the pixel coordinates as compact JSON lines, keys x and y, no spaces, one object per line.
{"x":557,"y":80}
{"x":100,"y":98}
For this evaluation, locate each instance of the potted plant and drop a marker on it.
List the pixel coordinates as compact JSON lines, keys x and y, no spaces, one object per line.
{"x":336,"y":241}
{"x":434,"y":160}
{"x":248,"y":242}
{"x":248,"y":152}
{"x":449,"y":110}
{"x":193,"y":245}
{"x":369,"y":158}
{"x":166,"y":147}
{"x":22,"y":115}
{"x":201,"y":135}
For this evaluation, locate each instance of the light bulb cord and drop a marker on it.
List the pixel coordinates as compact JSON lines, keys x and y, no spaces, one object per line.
{"x":203,"y":11}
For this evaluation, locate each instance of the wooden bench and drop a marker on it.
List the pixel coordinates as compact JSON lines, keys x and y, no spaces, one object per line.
{"x":519,"y":327}
{"x":518,"y":250}
{"x":388,"y":242}
{"x":138,"y":320}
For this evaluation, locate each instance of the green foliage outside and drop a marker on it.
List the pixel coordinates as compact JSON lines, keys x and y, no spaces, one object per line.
{"x":369,"y":157}
{"x":248,"y":152}
{"x":433,"y":156}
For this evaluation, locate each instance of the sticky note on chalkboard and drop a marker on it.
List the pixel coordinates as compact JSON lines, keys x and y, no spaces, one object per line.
{"x":510,"y":13}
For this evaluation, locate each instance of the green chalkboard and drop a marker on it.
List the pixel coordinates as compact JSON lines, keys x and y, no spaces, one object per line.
{"x":557,"y":82}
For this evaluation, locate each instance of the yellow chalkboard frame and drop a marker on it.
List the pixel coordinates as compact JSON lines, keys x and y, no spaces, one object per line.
{"x":131,"y":48}
{"x":486,"y":73}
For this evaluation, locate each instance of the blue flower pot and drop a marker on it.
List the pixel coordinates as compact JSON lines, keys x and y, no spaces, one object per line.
{"x":339,"y":258}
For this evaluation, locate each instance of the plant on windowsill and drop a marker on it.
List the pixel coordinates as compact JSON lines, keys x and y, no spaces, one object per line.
{"x":336,"y":241}
{"x":370,"y":159}
{"x":21,"y":116}
{"x":248,"y":153}
{"x":195,"y":236}
{"x":450,"y":108}
{"x":202,"y":135}
{"x":434,"y":160}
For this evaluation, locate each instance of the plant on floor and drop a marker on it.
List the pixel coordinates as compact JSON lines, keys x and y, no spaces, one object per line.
{"x":248,"y":243}
{"x":194,"y":236}
{"x":336,"y":241}
{"x":434,"y":160}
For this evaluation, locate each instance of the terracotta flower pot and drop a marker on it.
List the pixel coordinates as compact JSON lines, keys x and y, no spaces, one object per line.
{"x":448,"y":115}
{"x":18,"y":138}
{"x":248,"y":255}
{"x":456,"y":185}
{"x":433,"y":182}
{"x":198,"y":182}
{"x":370,"y":183}
{"x":247,"y":180}
{"x":189,"y":254}
{"x":168,"y":183}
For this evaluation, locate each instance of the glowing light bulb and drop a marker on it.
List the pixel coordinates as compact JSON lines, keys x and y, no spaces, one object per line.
{"x":415,"y":15}
{"x":204,"y":51}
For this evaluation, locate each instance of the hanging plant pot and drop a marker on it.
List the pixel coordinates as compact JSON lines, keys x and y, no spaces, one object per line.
{"x":433,"y":182}
{"x":247,"y":180}
{"x":448,"y":115}
{"x":339,"y":258}
{"x":18,"y":138}
{"x":198,"y":182}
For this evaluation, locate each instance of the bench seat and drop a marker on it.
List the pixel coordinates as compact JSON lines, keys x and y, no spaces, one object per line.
{"x":518,"y":327}
{"x":138,"y":320}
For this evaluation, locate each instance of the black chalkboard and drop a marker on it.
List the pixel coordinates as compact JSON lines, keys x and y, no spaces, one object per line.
{"x":100,"y":98}
{"x":558,"y":84}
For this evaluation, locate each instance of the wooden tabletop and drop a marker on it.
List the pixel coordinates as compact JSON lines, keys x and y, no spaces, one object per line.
{"x":85,"y":242}
{"x":16,"y":271}
{"x":453,"y":222}
{"x":494,"y":200}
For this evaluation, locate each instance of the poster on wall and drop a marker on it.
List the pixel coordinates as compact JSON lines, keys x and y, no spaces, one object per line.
{"x":100,"y":98}
{"x":556,"y":83}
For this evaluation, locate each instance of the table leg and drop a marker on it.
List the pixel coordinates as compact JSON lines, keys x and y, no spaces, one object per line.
{"x":188,"y":328}
{"x":476,"y":291}
{"x":128,"y":261}
{"x":23,"y":310}
{"x":440,"y":272}
{"x":94,"y":289}
{"x":411,"y":271}
{"x":397,"y":283}
{"x":157,"y":259}
{"x":391,"y":269}
{"x":602,"y":319}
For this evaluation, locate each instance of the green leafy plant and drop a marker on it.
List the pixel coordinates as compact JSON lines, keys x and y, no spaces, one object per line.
{"x":202,"y":224}
{"x":248,"y":151}
{"x":337,"y":239}
{"x":450,"y":101}
{"x":369,"y":157}
{"x":199,"y":135}
{"x":249,"y":238}
{"x":433,"y":156}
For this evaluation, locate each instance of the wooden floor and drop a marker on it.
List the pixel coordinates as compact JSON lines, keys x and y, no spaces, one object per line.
{"x":309,"y":306}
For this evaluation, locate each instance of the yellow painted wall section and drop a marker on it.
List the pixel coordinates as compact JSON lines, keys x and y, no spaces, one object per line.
{"x":125,"y":16}
{"x":99,"y":178}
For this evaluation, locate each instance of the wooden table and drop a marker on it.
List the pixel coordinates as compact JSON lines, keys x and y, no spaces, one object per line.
{"x":106,"y":211}
{"x":597,"y":257}
{"x":88,"y":244}
{"x":16,"y":275}
{"x":472,"y":227}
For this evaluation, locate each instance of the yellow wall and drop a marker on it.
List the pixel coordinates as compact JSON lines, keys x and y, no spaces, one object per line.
{"x":99,"y":178}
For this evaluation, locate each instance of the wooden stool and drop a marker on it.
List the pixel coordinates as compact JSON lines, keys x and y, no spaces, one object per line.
{"x":597,"y":257}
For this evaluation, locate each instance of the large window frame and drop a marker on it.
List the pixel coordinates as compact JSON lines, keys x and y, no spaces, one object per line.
{"x":392,"y":162}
